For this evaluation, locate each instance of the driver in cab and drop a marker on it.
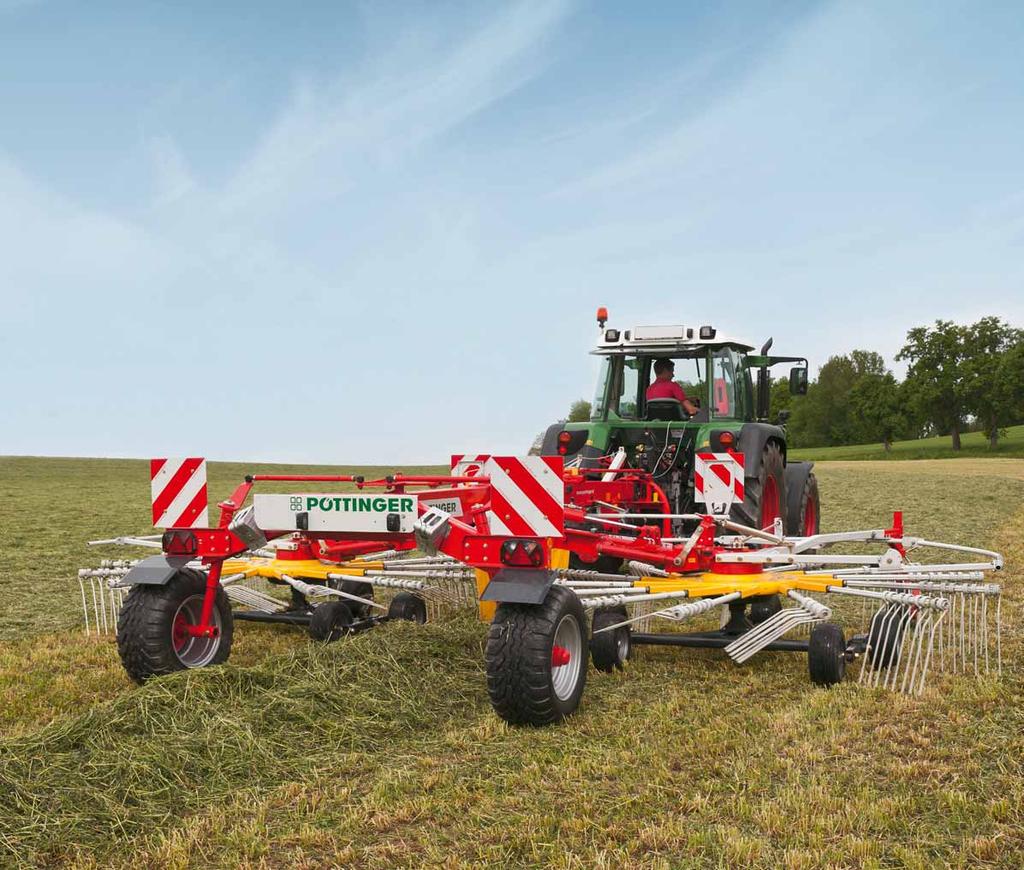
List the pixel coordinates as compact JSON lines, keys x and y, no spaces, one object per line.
{"x":663,"y":387}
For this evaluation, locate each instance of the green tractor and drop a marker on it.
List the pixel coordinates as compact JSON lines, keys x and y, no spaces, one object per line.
{"x":727,"y":388}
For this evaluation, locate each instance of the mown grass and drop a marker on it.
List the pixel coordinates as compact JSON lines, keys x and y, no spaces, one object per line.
{"x":382,"y":750}
{"x":973,"y":445}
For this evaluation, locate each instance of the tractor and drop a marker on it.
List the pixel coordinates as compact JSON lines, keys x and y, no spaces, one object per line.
{"x":729,"y":385}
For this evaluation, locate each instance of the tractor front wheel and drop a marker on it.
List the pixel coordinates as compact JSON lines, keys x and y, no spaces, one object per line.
{"x":153,"y":636}
{"x":536,"y":659}
{"x":810,"y":509}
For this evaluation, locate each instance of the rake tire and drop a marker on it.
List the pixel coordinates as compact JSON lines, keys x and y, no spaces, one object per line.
{"x":330,"y":621}
{"x":145,"y":626}
{"x":522,"y":681}
{"x":610,"y":650}
{"x":407,"y":606}
{"x":363,"y":590}
{"x":764,"y":607}
{"x":884,"y":640}
{"x":826,"y":654}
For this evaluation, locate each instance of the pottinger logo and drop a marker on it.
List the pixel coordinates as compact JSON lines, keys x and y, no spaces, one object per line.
{"x":354,"y":504}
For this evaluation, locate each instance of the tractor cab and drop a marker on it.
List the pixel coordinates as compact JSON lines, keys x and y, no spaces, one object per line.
{"x":712,"y":402}
{"x":711,"y":371}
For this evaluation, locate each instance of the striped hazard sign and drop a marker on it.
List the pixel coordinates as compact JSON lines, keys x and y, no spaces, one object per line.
{"x":527,"y":495}
{"x":178,"y":488}
{"x":468,"y":464}
{"x":718,"y":480}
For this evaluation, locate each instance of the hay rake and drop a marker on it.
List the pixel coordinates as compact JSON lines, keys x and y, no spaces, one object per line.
{"x":521,"y":538}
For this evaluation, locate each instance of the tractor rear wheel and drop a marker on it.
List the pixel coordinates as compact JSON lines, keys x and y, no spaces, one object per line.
{"x":826,"y":654}
{"x":769,"y":490}
{"x":536,"y":659}
{"x":610,"y":650}
{"x":152,"y":629}
{"x":810,"y":509}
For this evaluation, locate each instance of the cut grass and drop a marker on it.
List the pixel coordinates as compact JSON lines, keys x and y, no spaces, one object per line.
{"x":382,"y":750}
{"x":974,"y":444}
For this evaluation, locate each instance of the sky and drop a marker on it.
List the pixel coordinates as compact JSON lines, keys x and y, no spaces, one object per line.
{"x":377,"y":233}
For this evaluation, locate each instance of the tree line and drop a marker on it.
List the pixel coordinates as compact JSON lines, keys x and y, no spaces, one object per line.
{"x":958,"y":377}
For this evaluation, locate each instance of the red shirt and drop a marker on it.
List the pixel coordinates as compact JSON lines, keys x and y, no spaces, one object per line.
{"x":666,"y":390}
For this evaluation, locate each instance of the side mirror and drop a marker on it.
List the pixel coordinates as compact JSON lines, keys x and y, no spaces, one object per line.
{"x":798,"y":381}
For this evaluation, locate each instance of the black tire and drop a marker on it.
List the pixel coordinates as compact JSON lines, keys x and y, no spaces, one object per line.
{"x":764,"y":607}
{"x":610,"y":650}
{"x":826,"y":654}
{"x":772,"y":474}
{"x":363,"y":590}
{"x":405,"y":605}
{"x":330,"y":621}
{"x":525,"y":686}
{"x":147,"y":640}
{"x":885,"y":639}
{"x":807,"y":511}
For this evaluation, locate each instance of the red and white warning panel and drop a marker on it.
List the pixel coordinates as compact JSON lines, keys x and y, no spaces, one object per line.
{"x":468,"y":464}
{"x":178,"y":489}
{"x":527,"y":495}
{"x":718,"y":480}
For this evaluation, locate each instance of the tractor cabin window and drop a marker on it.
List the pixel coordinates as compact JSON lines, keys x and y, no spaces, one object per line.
{"x":725,"y":365}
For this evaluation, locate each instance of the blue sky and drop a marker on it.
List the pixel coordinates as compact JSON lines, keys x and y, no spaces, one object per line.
{"x":377,"y":233}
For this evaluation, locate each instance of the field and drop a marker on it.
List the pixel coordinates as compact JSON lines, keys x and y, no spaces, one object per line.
{"x":382,"y":750}
{"x":973,"y":445}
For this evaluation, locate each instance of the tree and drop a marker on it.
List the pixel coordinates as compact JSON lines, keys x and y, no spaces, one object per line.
{"x":992,"y":374}
{"x":878,"y":408}
{"x":935,"y":384}
{"x":579,"y":412}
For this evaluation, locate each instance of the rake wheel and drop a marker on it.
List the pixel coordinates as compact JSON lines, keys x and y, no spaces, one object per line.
{"x":536,"y":659}
{"x":151,"y":630}
{"x":763,"y":607}
{"x":363,"y":590}
{"x":610,"y":650}
{"x":885,"y":638}
{"x":405,"y":605}
{"x":330,"y":621}
{"x":826,"y":654}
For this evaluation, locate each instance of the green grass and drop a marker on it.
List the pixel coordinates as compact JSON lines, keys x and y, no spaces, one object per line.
{"x":382,"y":750}
{"x":973,"y":444}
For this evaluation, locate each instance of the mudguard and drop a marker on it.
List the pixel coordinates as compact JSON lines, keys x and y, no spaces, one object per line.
{"x":753,"y":437}
{"x":519,"y":586}
{"x":154,"y":571}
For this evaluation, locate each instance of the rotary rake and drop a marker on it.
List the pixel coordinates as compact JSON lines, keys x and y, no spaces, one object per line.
{"x":520,"y":539}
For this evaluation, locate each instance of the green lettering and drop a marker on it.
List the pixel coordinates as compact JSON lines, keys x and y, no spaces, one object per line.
{"x":380,"y":504}
{"x":337,"y":504}
{"x":346,"y":501}
{"x":365,"y":504}
{"x":393,"y":505}
{"x":310,"y":503}
{"x":406,"y":505}
{"x":325,"y":504}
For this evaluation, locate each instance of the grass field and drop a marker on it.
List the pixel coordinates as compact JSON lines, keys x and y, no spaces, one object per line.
{"x":382,"y":750}
{"x":973,"y":445}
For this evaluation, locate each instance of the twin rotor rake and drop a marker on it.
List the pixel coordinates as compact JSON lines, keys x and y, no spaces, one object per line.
{"x":721,"y":585}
